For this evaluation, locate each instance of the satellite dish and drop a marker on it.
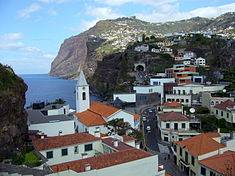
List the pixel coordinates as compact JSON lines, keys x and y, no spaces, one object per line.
{"x":224,"y":90}
{"x":192,"y":110}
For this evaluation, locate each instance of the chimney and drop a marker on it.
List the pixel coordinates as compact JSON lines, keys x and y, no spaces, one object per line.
{"x":97,"y":134}
{"x":218,"y":130}
{"x":185,"y":113}
{"x":42,"y":136}
{"x":87,"y":167}
{"x":115,"y":143}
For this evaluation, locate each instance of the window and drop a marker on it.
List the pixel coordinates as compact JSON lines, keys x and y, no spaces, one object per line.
{"x":227,"y":115}
{"x":64,"y":152}
{"x":183,"y":125}
{"x":165,"y":138}
{"x":182,"y":100}
{"x":192,"y":160}
{"x":186,"y":157}
{"x":203,"y":171}
{"x":167,"y":125}
{"x":176,"y":126}
{"x":181,"y":151}
{"x":212,"y":173}
{"x":88,"y":147}
{"x":150,"y":90}
{"x":49,"y":154}
{"x":75,"y":149}
{"x":179,"y":92}
{"x":212,"y":103}
{"x":222,"y":113}
{"x":186,"y":100}
{"x":180,"y":139}
{"x":83,"y":95}
{"x":217,"y":112}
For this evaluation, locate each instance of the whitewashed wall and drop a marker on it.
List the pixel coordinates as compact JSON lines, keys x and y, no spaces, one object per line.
{"x":53,"y":128}
{"x":141,"y":167}
{"x":58,"y":158}
{"x":129,"y":97}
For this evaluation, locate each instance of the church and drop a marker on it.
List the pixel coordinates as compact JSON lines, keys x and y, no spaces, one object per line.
{"x":92,"y":117}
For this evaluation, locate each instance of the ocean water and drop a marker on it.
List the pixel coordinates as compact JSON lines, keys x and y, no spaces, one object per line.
{"x":42,"y":87}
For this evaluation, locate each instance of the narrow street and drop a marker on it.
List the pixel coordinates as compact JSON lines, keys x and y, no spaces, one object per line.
{"x":152,"y":139}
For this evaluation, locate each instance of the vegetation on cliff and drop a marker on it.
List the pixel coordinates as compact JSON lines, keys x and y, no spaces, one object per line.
{"x":13,"y":126}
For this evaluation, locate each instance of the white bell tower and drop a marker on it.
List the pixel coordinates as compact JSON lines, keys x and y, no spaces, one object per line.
{"x":82,"y":93}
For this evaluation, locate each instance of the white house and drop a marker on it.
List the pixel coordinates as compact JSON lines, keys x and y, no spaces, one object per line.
{"x":200,"y":62}
{"x":125,"y":97}
{"x":62,"y":149}
{"x":149,"y":89}
{"x":130,"y":162}
{"x":210,"y":166}
{"x":142,"y":48}
{"x":225,"y":110}
{"x":209,"y":100}
{"x":189,"y":152}
{"x":95,"y":115}
{"x":50,"y":125}
{"x":183,"y":99}
{"x":155,"y":50}
{"x":176,"y":126}
{"x":172,"y":107}
{"x":106,"y":156}
{"x":155,"y":81}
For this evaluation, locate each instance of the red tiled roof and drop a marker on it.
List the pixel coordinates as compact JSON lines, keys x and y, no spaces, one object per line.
{"x":127,"y":138}
{"x":102,"y":161}
{"x":221,"y":163}
{"x":173,"y":104}
{"x":61,"y":141}
{"x":200,"y":144}
{"x":103,"y":109}
{"x":90,"y":118}
{"x":173,"y":116}
{"x":224,"y":105}
{"x":110,"y":142}
{"x":212,"y":134}
{"x":136,"y":117}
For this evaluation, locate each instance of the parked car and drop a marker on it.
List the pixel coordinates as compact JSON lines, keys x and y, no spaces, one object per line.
{"x":148,"y":128}
{"x":144,"y":118}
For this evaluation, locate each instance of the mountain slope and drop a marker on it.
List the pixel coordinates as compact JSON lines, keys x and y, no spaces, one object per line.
{"x":110,"y":36}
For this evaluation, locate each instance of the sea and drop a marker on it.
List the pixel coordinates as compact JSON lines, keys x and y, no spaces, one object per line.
{"x":42,"y":87}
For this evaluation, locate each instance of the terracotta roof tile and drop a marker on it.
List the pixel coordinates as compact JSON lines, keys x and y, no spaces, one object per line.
{"x":103,"y":109}
{"x":102,"y":161}
{"x":127,"y":138}
{"x":200,"y":144}
{"x":224,"y":105}
{"x":173,"y":116}
{"x":220,"y":163}
{"x":136,"y":117}
{"x":61,"y":141}
{"x":212,"y":134}
{"x":90,"y":118}
{"x":110,"y":142}
{"x":173,"y":104}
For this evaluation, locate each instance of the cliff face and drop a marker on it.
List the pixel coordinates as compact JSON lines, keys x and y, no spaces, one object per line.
{"x":13,"y":117}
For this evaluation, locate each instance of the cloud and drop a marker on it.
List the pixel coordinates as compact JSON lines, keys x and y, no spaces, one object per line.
{"x":170,"y":12}
{"x":11,"y":37}
{"x":97,"y":13}
{"x":12,"y":42}
{"x":52,"y":12}
{"x":27,"y":11}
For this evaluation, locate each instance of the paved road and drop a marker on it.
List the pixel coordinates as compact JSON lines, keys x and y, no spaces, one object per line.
{"x":152,"y":139}
{"x":151,"y":136}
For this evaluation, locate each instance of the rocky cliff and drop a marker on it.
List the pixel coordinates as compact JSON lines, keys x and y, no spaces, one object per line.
{"x":110,"y":36}
{"x":13,"y":124}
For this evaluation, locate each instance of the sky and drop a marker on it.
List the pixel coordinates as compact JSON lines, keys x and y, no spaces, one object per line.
{"x":31,"y":31}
